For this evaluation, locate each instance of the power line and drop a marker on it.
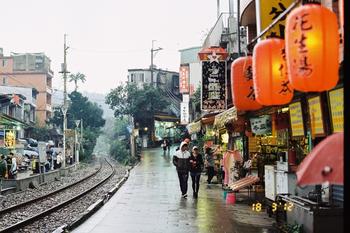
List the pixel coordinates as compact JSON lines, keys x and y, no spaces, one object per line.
{"x":109,"y":51}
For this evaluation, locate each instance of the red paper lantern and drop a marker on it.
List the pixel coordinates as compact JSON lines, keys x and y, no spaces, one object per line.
{"x":312,"y":48}
{"x":243,"y":94}
{"x":270,"y":75}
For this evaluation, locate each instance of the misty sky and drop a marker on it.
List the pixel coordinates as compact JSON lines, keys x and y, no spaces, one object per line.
{"x":106,"y":37}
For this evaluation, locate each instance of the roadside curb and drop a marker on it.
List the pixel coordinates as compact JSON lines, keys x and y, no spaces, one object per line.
{"x":95,"y":206}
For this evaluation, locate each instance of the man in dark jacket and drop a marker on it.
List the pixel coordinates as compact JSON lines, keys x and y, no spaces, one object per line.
{"x":181,"y":162}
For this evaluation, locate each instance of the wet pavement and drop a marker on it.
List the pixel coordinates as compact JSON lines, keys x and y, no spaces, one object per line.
{"x":150,"y":201}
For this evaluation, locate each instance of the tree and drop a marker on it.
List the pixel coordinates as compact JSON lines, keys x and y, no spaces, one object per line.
{"x":80,"y":108}
{"x":76,"y":78}
{"x":140,"y":103}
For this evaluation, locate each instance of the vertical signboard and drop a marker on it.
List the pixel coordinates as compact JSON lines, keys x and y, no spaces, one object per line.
{"x":214,"y":85}
{"x":296,"y":119}
{"x":315,"y":113}
{"x":269,"y":11}
{"x":185,"y":98}
{"x":184,"y":79}
{"x":192,"y":90}
{"x":184,"y":113}
{"x":336,"y":100}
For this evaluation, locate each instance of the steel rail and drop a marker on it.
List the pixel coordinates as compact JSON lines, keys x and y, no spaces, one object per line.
{"x":53,"y":209}
{"x":17,"y":206}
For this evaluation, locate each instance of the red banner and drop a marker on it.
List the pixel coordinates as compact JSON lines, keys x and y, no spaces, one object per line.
{"x":184,"y":79}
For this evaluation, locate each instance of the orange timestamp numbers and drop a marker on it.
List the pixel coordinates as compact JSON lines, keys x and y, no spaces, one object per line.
{"x":287,"y":206}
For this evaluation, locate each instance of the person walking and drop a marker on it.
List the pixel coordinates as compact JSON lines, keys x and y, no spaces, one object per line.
{"x":210,"y":163}
{"x":3,"y":167}
{"x":13,"y":169}
{"x":196,"y":167}
{"x":59,"y":159}
{"x":164,"y":146}
{"x":181,"y":162}
{"x":168,"y":145}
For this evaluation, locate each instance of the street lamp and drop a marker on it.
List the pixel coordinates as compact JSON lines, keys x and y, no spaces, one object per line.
{"x":77,"y":122}
{"x":64,"y":110}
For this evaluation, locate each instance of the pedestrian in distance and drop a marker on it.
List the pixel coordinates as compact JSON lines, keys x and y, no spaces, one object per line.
{"x":210,"y":163}
{"x":168,"y":144}
{"x":196,"y":167}
{"x":3,"y":167}
{"x":164,"y":146}
{"x":59,"y":159}
{"x":13,"y":169}
{"x":181,"y":162}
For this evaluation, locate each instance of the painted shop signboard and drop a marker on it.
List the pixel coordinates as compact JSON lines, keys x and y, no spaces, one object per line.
{"x":315,"y":113}
{"x":269,"y":11}
{"x":336,"y":100}
{"x":214,"y":84}
{"x":296,"y":119}
{"x":261,"y":125}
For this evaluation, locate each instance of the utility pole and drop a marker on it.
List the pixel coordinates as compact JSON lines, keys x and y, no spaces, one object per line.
{"x":238,"y":28}
{"x":81,"y":135}
{"x":65,"y":107}
{"x":152,"y":51}
{"x":218,"y":8}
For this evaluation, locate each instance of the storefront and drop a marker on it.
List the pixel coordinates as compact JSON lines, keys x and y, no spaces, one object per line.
{"x":11,"y":130}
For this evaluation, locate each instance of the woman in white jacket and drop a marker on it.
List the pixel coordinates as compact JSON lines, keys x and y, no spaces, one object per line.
{"x":182,"y":164}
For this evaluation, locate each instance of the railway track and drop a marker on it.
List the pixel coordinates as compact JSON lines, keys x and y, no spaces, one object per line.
{"x":18,"y":216}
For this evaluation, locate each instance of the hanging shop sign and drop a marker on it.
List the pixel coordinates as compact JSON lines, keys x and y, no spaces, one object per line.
{"x":312,"y":48}
{"x":214,"y":84}
{"x":206,"y":53}
{"x":270,"y":75}
{"x":336,"y":100}
{"x":224,"y":117}
{"x":269,"y":11}
{"x":315,"y":114}
{"x":296,"y":119}
{"x":184,"y":79}
{"x":192,"y":90}
{"x":242,"y":87}
{"x":252,"y":144}
{"x":194,"y":127}
{"x":184,"y":113}
{"x":10,"y":139}
{"x":261,"y":125}
{"x":186,"y":98}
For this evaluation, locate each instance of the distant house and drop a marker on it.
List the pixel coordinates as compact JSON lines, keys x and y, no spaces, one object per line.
{"x":30,"y":70}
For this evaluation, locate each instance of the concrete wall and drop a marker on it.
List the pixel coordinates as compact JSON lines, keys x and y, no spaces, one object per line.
{"x":38,"y":179}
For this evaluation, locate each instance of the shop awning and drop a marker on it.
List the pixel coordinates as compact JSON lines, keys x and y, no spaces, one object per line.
{"x":325,"y":163}
{"x":225,"y":117}
{"x":166,"y":118}
{"x":194,"y":127}
{"x":8,"y":122}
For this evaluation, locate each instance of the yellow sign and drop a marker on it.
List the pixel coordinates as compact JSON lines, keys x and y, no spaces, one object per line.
{"x":336,"y":99}
{"x":296,"y":119}
{"x":269,"y":11}
{"x":315,"y":114}
{"x":10,"y":139}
